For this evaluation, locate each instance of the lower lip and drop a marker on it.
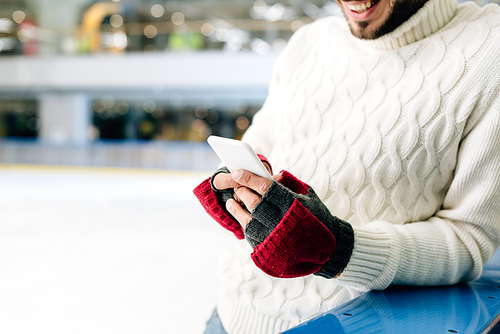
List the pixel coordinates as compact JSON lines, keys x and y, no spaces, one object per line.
{"x":361,"y":16}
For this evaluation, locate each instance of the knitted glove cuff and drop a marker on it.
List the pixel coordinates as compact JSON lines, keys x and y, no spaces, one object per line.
{"x":276,"y":206}
{"x":213,"y":201}
{"x":268,"y":213}
{"x":344,"y":236}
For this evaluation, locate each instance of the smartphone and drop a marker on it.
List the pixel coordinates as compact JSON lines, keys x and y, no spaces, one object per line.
{"x":236,"y":154}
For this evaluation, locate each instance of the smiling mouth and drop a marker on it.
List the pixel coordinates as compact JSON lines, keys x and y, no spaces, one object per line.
{"x":362,"y":7}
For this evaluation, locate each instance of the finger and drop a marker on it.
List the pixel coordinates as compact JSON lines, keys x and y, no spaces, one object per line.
{"x":277,"y":177}
{"x":224,"y":181}
{"x":249,"y":198}
{"x":268,"y":167}
{"x":241,"y":215}
{"x":259,"y":184}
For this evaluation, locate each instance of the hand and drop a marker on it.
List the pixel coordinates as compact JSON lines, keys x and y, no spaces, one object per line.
{"x":248,"y":191}
{"x":291,"y":231}
{"x":248,"y":194}
{"x":214,"y":192}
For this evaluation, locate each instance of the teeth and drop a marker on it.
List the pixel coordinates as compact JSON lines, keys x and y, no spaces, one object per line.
{"x":360,"y":8}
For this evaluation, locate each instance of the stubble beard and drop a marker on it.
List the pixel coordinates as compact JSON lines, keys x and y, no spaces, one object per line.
{"x":400,"y":11}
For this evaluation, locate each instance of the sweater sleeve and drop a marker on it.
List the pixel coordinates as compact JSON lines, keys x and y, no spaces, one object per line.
{"x":455,"y":243}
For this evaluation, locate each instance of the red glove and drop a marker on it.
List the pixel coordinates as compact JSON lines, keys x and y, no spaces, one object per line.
{"x":294,"y":234}
{"x":214,"y":201}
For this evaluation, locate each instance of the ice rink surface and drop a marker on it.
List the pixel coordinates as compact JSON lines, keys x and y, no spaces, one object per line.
{"x":105,"y":251}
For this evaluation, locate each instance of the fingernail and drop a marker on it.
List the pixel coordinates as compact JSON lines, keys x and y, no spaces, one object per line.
{"x":236,"y":175}
{"x":229,"y":204}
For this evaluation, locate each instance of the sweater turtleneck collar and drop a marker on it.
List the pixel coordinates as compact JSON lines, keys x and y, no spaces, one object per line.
{"x":433,"y":16}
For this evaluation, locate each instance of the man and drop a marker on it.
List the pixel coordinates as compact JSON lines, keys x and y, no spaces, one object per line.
{"x":388,"y":132}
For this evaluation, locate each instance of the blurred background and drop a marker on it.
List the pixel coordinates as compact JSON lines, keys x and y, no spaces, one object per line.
{"x":136,"y":83}
{"x":105,"y":107}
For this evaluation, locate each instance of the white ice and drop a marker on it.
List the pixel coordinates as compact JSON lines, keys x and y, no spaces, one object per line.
{"x":98,"y":251}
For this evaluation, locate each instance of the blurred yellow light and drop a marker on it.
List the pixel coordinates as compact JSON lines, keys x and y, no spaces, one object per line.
{"x":178,"y":18}
{"x":116,"y":0}
{"x":207,"y":29}
{"x":18,"y":16}
{"x":150,"y":31}
{"x":296,"y":25}
{"x":116,"y":20}
{"x":157,"y":10}
{"x":146,"y":127}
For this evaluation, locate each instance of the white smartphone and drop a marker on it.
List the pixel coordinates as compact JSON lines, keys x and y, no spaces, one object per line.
{"x":236,"y":154}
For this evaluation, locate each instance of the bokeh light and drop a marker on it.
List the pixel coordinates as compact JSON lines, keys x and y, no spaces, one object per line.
{"x":122,"y":108}
{"x":207,"y":29}
{"x":33,"y":123}
{"x":201,"y":111}
{"x":296,"y":25}
{"x":108,"y":101}
{"x":149,"y":106}
{"x":260,"y":46}
{"x":178,"y":18}
{"x":18,"y":16}
{"x":120,"y":40}
{"x":242,"y":123}
{"x":157,"y":10}
{"x":260,"y":6}
{"x":221,"y":35}
{"x":213,"y":117}
{"x":158,"y":112}
{"x":116,"y":20}
{"x":150,"y":48}
{"x":275,"y":13}
{"x":24,"y":35}
{"x":242,"y":107}
{"x":150,"y":31}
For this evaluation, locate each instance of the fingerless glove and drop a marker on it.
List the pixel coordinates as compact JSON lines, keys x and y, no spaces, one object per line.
{"x":214,"y":201}
{"x":294,"y":234}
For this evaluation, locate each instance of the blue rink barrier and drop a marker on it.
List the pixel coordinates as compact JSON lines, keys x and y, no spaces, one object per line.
{"x":462,"y":308}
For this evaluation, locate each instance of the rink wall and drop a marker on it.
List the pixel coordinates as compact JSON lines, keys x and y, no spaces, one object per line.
{"x":171,"y":155}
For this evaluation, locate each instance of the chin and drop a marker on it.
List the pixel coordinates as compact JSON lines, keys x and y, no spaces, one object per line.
{"x":362,"y":31}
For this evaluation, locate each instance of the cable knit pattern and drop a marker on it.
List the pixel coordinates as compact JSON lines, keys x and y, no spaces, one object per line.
{"x":400,"y":137}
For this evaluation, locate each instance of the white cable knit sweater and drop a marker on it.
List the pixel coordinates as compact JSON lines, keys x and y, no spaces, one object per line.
{"x":399,"y":136}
